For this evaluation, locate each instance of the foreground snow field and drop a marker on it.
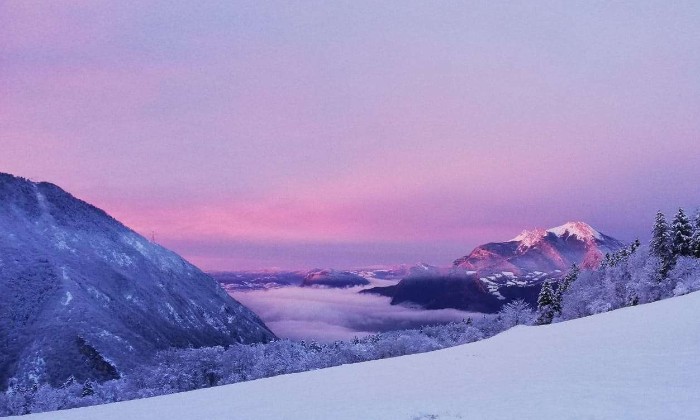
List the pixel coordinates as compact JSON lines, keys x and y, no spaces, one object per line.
{"x":634,"y":363}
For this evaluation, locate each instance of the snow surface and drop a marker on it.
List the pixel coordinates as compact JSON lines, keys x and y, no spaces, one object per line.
{"x":582,"y":230}
{"x":528,"y":238}
{"x":634,"y":363}
{"x":579,"y":229}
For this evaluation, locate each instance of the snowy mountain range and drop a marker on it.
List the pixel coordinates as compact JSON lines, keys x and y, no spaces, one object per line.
{"x":237,"y":281}
{"x":82,"y":295}
{"x":634,"y":363}
{"x":233,"y":281}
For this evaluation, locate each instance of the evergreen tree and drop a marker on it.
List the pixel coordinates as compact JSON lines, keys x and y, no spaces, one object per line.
{"x":69,"y":382}
{"x":695,"y":241}
{"x":565,"y":283}
{"x":87,"y":389}
{"x":621,"y":255}
{"x":635,"y":246}
{"x":681,"y":235}
{"x":660,"y":238}
{"x":660,"y":245}
{"x":546,"y":304}
{"x":517,"y":312}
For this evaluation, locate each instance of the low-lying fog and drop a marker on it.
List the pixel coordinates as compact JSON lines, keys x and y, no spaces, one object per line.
{"x":336,"y":314}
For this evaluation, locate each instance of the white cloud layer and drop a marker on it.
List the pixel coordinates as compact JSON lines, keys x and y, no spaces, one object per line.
{"x":336,"y":314}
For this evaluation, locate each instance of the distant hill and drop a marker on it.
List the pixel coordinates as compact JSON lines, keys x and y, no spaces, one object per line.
{"x":82,"y":295}
{"x":241,"y":281}
{"x":234,"y":281}
{"x":464,"y":292}
{"x":333,"y":278}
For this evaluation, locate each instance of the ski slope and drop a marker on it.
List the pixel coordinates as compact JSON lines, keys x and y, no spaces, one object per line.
{"x":634,"y":363}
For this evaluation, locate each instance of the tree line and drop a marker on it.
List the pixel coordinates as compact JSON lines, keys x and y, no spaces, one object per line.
{"x":635,"y":274}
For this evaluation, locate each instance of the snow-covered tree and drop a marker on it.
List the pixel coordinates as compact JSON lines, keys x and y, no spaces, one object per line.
{"x":88,"y":389}
{"x":681,"y":235}
{"x":660,"y":237}
{"x":517,"y":312}
{"x":546,"y":304}
{"x":564,"y":285}
{"x":695,"y":241}
{"x":661,"y":245}
{"x":621,"y":255}
{"x":685,"y":276}
{"x":635,"y":245}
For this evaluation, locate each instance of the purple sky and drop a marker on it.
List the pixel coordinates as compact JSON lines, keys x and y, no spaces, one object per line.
{"x":255,"y":134}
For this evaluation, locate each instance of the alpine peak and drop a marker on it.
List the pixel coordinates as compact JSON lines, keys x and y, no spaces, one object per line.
{"x":544,"y":251}
{"x":582,"y":230}
{"x":530,"y":237}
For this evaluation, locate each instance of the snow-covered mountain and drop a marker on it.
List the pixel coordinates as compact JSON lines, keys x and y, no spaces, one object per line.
{"x":541,"y":251}
{"x":634,"y":363}
{"x":83,"y":295}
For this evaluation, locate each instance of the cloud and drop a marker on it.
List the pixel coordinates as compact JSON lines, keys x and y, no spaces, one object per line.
{"x":262,"y":124}
{"x":336,"y":314}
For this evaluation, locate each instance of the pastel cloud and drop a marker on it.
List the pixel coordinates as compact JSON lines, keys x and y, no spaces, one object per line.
{"x":336,"y":314}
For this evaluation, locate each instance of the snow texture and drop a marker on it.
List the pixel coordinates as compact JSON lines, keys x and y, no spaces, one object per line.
{"x":581,"y":230}
{"x":528,"y":238}
{"x":635,"y":363}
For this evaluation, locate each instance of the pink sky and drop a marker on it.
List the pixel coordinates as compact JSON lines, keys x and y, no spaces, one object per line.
{"x":255,"y":134}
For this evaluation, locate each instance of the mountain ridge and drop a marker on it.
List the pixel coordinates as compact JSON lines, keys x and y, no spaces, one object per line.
{"x":90,"y":298}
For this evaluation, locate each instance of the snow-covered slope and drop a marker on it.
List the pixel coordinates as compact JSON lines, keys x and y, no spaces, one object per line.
{"x":83,"y":295}
{"x":635,"y":363}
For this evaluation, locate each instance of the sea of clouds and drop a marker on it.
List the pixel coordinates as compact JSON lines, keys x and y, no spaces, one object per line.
{"x":325,"y":315}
